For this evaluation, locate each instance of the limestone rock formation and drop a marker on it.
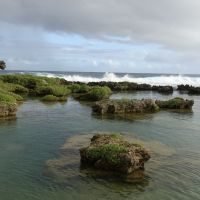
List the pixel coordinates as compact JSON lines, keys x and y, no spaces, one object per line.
{"x":125,"y":106}
{"x":7,"y":110}
{"x":110,"y":152}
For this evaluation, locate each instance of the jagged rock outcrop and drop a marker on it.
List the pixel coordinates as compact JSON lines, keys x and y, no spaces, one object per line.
{"x":189,"y":89}
{"x":163,"y":89}
{"x":125,"y":106}
{"x":122,"y":86}
{"x":112,"y":153}
{"x":7,"y":110}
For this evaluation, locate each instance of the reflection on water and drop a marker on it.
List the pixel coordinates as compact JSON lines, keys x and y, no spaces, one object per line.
{"x":34,"y":167}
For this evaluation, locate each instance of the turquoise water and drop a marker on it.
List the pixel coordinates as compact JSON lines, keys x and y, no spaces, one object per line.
{"x":26,"y":144}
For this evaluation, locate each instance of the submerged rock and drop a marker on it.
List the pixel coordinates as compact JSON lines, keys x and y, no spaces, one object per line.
{"x":112,"y":153}
{"x":125,"y":106}
{"x":176,"y":103}
{"x":8,"y":109}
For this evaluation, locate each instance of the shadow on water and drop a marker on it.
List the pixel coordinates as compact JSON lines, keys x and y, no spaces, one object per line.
{"x":122,"y":117}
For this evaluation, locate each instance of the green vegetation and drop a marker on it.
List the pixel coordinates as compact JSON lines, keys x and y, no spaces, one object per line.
{"x":5,"y":98}
{"x":108,"y":152}
{"x":79,"y":88}
{"x":176,"y":103}
{"x":33,"y":86}
{"x":42,"y":86}
{"x":11,"y":94}
{"x":96,"y":93}
{"x":56,"y":90}
{"x":11,"y":87}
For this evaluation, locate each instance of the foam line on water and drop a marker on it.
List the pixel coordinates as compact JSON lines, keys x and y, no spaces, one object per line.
{"x":172,"y":80}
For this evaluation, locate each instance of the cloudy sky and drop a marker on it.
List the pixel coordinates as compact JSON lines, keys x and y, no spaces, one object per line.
{"x":161,"y":36}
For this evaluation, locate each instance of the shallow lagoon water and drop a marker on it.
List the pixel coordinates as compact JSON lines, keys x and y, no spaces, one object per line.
{"x":40,"y":130}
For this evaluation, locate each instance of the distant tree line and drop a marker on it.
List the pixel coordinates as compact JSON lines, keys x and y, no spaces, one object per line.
{"x":2,"y":64}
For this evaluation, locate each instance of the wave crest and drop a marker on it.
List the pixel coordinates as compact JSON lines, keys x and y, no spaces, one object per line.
{"x":172,"y":80}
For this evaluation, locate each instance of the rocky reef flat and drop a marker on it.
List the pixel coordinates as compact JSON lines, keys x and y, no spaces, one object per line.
{"x":15,"y":88}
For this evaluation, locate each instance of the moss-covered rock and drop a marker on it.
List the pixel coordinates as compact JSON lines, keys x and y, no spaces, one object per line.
{"x":125,"y":106}
{"x":8,"y":105}
{"x":111,"y":152}
{"x":176,"y":103}
{"x":56,"y":90}
{"x":96,"y":93}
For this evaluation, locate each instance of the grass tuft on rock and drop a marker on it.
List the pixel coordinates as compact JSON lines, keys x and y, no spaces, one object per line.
{"x":98,"y":93}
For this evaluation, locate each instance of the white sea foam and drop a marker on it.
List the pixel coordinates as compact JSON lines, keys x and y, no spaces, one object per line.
{"x":172,"y":80}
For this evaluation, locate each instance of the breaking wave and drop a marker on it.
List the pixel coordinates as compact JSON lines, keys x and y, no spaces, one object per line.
{"x":172,"y":80}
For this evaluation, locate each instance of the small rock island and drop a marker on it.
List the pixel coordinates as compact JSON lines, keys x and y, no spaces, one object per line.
{"x":112,"y":153}
{"x":119,"y":106}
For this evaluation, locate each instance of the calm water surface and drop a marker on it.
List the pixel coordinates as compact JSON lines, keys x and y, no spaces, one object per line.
{"x":26,"y":144}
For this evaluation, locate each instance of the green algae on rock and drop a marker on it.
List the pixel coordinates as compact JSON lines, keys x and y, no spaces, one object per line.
{"x":112,"y":153}
{"x":8,"y":104}
{"x":176,"y":103}
{"x":96,"y":93}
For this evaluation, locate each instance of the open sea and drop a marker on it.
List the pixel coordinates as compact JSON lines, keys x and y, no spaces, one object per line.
{"x":31,"y":146}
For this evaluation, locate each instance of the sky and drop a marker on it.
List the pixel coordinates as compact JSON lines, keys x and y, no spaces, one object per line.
{"x":101,"y":35}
